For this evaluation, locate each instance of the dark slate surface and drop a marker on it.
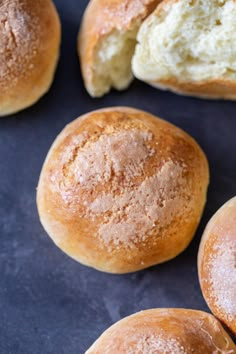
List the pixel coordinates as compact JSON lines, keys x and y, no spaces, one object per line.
{"x":48,"y":303}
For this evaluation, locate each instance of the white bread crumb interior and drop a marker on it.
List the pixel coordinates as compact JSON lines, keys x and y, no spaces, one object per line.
{"x":113,"y":62}
{"x":190,"y":41}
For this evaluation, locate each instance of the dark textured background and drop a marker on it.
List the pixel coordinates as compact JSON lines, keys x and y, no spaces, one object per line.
{"x":48,"y":302}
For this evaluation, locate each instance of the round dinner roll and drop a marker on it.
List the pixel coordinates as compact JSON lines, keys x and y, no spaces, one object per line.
{"x":217,"y":264}
{"x":188,"y":46}
{"x":165,"y":331}
{"x":107,"y":40}
{"x":122,"y":190}
{"x":29,"y":50}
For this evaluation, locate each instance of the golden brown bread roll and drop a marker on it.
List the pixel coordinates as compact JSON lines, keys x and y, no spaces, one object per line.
{"x":122,"y":190}
{"x":217,"y":264}
{"x":165,"y":331}
{"x":107,"y":40}
{"x":29,"y":49}
{"x":188,"y":46}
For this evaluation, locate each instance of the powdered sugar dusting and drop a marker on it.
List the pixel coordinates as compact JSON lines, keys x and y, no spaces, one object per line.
{"x":156,"y":344}
{"x":223,"y":277}
{"x":19,"y":42}
{"x":110,"y":155}
{"x":133,"y":214}
{"x":125,"y":186}
{"x":166,"y":331}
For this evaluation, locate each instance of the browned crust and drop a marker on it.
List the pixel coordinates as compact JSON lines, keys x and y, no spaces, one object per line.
{"x":100,"y":19}
{"x":218,"y":236}
{"x":219,"y":88}
{"x":165,"y":331}
{"x":60,"y":197}
{"x":211,"y":89}
{"x":29,"y":48}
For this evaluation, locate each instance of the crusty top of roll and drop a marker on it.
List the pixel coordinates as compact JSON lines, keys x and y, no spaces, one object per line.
{"x":169,"y":331}
{"x":122,"y":190}
{"x":217,"y":264}
{"x":107,"y":40}
{"x":29,"y":43}
{"x":118,"y":14}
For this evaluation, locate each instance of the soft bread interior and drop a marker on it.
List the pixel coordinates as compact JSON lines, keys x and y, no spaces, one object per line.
{"x":113,"y":61}
{"x":189,"y":41}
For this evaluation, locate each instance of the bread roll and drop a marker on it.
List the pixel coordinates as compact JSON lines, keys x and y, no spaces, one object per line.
{"x":107,"y":40}
{"x":217,"y":264}
{"x":189,"y":46}
{"x":122,"y":190}
{"x":165,"y":331}
{"x":29,"y":48}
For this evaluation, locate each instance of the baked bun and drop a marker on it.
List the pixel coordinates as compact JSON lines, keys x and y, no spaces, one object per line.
{"x":217,"y":264}
{"x":165,"y":331}
{"x":189,"y":46}
{"x":29,"y":49}
{"x":107,"y":40}
{"x":122,"y":190}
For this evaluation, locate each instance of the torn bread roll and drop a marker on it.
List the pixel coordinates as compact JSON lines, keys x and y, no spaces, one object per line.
{"x":29,"y":49}
{"x":189,"y":47}
{"x":169,"y":331}
{"x":122,"y":190}
{"x":217,"y":264}
{"x":107,"y":40}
